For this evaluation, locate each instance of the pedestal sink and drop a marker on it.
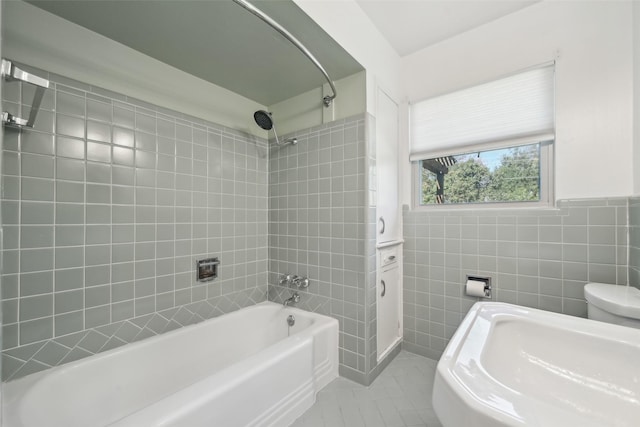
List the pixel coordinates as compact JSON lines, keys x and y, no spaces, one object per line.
{"x":508,"y":365}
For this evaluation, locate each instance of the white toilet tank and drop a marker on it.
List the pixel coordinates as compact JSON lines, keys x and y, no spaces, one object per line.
{"x":613,"y":304}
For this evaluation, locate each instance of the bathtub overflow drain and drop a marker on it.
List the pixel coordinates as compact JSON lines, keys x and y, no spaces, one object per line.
{"x":291,"y":320}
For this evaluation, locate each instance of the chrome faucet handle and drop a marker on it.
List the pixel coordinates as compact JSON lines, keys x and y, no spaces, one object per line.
{"x":302,"y":282}
{"x":296,"y":297}
{"x":294,"y":280}
{"x":286,"y":278}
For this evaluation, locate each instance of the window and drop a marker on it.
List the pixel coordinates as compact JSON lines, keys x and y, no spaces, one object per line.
{"x":487,"y":144}
{"x":510,"y":175}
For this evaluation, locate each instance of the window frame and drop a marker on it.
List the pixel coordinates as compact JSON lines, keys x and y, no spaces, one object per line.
{"x":547,"y":187}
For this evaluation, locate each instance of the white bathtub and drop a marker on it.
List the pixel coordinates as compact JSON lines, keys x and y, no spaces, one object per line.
{"x":239,"y":369}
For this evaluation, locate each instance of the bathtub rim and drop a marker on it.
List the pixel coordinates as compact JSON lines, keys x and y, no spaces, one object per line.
{"x":16,"y":390}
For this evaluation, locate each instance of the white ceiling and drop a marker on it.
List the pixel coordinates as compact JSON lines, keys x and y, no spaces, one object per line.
{"x":411,"y":25}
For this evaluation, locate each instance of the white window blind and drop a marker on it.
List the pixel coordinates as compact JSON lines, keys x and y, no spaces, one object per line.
{"x":515,"y":110}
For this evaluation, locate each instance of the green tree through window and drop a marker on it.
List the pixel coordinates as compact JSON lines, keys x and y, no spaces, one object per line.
{"x":505,"y":175}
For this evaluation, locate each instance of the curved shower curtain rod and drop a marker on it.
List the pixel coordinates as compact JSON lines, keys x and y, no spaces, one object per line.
{"x":260,"y":14}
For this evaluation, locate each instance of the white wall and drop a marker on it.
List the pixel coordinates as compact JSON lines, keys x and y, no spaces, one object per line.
{"x":348,"y":25}
{"x":636,"y":97}
{"x":306,"y":110}
{"x":594,"y":84}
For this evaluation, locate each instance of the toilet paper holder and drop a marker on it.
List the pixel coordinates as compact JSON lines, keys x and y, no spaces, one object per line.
{"x":487,"y":285}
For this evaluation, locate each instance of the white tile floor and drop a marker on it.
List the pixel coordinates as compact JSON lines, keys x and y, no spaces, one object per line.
{"x":399,"y":397}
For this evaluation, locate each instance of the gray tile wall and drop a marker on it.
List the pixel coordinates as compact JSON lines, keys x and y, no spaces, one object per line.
{"x":1,"y":231}
{"x":634,"y":241}
{"x":317,"y":214}
{"x":536,"y":258}
{"x":106,"y":205}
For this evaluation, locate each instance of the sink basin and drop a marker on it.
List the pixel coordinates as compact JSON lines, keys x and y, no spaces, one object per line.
{"x":508,"y":365}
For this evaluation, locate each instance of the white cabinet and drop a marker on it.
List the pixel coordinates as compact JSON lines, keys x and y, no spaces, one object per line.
{"x":387,"y":194}
{"x":388,"y":236}
{"x":389,"y":300}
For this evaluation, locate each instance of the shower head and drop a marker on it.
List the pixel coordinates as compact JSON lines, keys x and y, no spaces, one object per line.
{"x":264,"y":119}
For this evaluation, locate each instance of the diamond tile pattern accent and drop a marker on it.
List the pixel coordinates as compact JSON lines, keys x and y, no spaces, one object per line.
{"x":107,"y":203}
{"x":308,"y":301}
{"x":634,"y":241}
{"x":36,"y":357}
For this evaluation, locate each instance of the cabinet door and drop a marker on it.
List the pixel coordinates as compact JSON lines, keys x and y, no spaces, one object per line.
{"x":388,"y":316}
{"x":387,"y":169}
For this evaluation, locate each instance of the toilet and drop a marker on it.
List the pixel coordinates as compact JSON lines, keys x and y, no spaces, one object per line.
{"x":613,"y":304}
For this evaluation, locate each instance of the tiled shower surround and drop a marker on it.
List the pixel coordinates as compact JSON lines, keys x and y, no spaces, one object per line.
{"x":318,"y":217}
{"x":536,"y":258}
{"x":106,"y":205}
{"x":109,"y":201}
{"x":634,"y":241}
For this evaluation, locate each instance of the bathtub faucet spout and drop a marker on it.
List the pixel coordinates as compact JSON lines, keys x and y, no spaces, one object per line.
{"x":294,"y":298}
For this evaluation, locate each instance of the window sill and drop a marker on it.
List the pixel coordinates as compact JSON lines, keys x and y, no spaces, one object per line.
{"x":492,"y":208}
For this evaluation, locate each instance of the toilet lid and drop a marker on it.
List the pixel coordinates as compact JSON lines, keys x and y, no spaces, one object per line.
{"x":616,"y":299}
